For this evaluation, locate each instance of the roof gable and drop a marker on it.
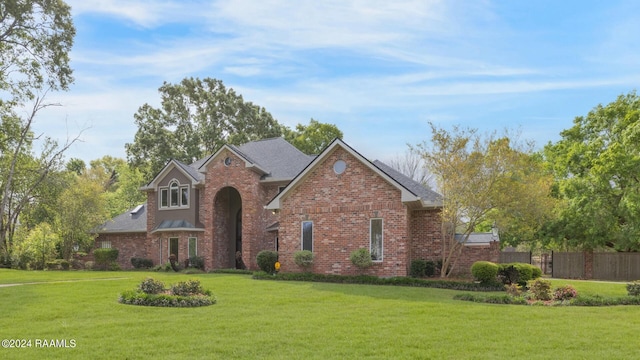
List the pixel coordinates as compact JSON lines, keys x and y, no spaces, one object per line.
{"x":407,"y":195}
{"x":275,"y":159}
{"x":186,"y":170}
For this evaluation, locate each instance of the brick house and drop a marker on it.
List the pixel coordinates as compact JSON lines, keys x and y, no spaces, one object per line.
{"x":268,"y":195}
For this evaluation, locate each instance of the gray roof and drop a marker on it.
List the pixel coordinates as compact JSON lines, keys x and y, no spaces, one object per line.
{"x":127,"y":222}
{"x":175,"y":224}
{"x":478,"y":238}
{"x":191,"y":170}
{"x":425,"y":194}
{"x":277,"y":156}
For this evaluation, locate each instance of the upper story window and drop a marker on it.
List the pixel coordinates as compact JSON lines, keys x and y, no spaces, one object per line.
{"x":174,"y":195}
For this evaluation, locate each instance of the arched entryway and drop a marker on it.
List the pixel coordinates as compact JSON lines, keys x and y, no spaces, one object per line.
{"x":227,"y":223}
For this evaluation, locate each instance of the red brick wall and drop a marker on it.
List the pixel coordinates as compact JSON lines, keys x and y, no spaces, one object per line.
{"x":426,"y":235}
{"x":471,"y":254}
{"x":255,"y":218}
{"x":341,"y":207}
{"x":128,"y":244}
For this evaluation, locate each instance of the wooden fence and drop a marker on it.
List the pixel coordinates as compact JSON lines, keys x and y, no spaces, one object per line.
{"x":601,"y":266}
{"x":512,"y":256}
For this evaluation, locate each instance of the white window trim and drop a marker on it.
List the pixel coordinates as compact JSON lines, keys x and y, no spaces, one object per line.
{"x":381,"y":238}
{"x":169,"y":196}
{"x":302,"y":234}
{"x":105,"y":244}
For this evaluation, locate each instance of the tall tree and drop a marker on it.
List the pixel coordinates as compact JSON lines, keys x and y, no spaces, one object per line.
{"x":477,"y":175}
{"x":597,"y":169}
{"x":196,"y":117}
{"x":81,"y":207}
{"x":313,"y":138}
{"x":35,"y":39}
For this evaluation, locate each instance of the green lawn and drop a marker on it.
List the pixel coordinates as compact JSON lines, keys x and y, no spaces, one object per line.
{"x":295,"y":320}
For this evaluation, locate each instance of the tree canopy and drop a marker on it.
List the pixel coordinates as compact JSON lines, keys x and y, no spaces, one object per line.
{"x":197,"y":116}
{"x":311,"y":139}
{"x":35,"y":39}
{"x":597,"y":168}
{"x":479,"y":176}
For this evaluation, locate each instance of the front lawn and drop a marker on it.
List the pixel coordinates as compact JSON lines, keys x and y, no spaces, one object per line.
{"x":294,"y":320}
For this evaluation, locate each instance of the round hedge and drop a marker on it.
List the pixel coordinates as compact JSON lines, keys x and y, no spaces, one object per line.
{"x":484,"y":271}
{"x":182,"y":294}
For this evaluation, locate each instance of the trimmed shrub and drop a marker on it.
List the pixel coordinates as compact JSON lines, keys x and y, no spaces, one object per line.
{"x":196,"y":262}
{"x":508,"y":274}
{"x":484,"y":271}
{"x":151,"y":286}
{"x":104,"y":257}
{"x":361,"y":258}
{"x":187,"y":288}
{"x":525,"y":272}
{"x":88,"y":265}
{"x":540,"y":289}
{"x":266,"y":260}
{"x":418,"y":268}
{"x":303,"y":258}
{"x":141,"y":263}
{"x":633,"y":288}
{"x":513,"y":290}
{"x":563,"y":293}
{"x":430,"y":268}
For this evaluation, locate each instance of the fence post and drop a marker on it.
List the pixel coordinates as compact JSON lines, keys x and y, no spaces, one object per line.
{"x":552,"y":262}
{"x":588,"y":264}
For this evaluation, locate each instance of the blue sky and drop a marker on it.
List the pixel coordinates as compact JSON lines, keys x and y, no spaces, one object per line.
{"x":379,"y":70}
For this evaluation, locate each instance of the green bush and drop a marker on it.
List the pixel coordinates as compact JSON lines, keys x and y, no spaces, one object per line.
{"x":151,"y":286}
{"x":361,"y":258}
{"x":187,"y":288}
{"x":104,"y":257}
{"x":418,"y":268}
{"x":525,"y":272}
{"x":88,"y":265}
{"x":303,"y":258}
{"x":266,"y":260}
{"x":165,"y":300}
{"x":564,"y":293}
{"x":141,"y":263}
{"x":196,"y":262}
{"x":633,"y":288}
{"x":484,"y":271}
{"x":430,"y":268}
{"x":539,"y":289}
{"x":57,"y":264}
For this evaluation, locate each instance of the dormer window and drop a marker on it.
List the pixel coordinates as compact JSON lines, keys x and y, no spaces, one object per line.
{"x":174,"y":195}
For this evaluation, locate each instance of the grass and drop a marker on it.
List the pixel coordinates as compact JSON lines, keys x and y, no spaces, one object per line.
{"x":292,"y":320}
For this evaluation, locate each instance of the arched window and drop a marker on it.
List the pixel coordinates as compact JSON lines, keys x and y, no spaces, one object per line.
{"x":174,"y":195}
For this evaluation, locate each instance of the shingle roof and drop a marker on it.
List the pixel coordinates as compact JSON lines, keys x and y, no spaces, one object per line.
{"x":175,"y":224}
{"x":427,"y":195}
{"x":477,"y":238}
{"x":126,"y":222}
{"x":277,"y":156}
{"x":191,"y":170}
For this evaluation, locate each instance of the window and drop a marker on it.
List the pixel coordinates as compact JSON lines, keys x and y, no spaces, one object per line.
{"x":175,"y":195}
{"x":105,"y":244}
{"x":375,"y":232}
{"x":173,"y":246}
{"x":193,"y":247}
{"x":307,"y":235}
{"x":173,"y":191}
{"x":164,"y":198}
